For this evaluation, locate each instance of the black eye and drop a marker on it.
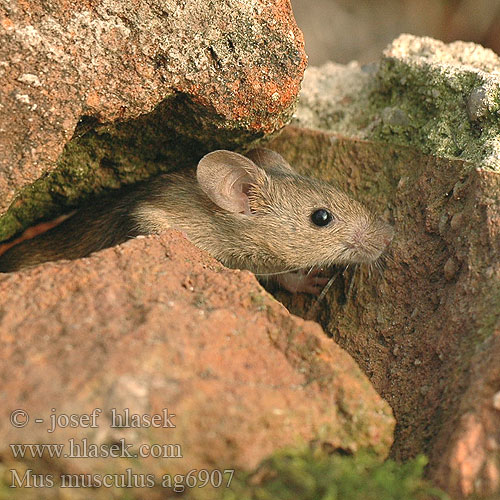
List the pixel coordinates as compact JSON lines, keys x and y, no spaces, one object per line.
{"x":321,"y":217}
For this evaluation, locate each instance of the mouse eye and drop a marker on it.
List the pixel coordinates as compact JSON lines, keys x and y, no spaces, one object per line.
{"x":321,"y":217}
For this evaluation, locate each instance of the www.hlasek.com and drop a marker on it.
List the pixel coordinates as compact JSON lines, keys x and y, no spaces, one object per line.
{"x":83,"y":449}
{"x":177,"y":482}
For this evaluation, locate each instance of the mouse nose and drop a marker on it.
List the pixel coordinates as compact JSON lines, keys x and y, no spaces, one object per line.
{"x":371,"y":238}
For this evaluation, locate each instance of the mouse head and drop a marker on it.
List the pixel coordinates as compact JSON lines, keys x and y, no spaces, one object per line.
{"x":289,"y":219}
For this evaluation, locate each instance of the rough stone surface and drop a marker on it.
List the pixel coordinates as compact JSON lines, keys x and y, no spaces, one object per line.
{"x":472,"y":446}
{"x":153,"y":324}
{"x":440,"y":99}
{"x":226,"y":73}
{"x":329,"y":97}
{"x":426,"y":331}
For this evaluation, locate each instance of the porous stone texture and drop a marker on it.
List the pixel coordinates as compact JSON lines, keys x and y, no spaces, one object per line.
{"x":433,"y":353}
{"x":427,"y":334}
{"x":439,"y":99}
{"x":155,"y":323}
{"x":141,"y":86}
{"x":426,"y":328}
{"x":471,"y":461}
{"x":331,"y":97}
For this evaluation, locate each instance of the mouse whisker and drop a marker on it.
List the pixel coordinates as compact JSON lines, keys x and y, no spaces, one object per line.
{"x":327,"y":287}
{"x":382,"y":277}
{"x":382,"y":267}
{"x":387,"y":257}
{"x":351,"y":292}
{"x":259,"y":275}
{"x":313,"y":311}
{"x":381,"y":270}
{"x":379,"y":265}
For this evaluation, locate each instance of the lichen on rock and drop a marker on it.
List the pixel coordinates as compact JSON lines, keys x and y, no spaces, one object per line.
{"x":173,"y":78}
{"x":440,"y":99}
{"x":416,"y":136}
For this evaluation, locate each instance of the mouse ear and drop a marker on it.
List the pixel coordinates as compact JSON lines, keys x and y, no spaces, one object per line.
{"x":268,"y":159}
{"x":225,"y":177}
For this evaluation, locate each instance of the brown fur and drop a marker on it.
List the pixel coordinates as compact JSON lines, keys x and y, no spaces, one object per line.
{"x":104,"y":223}
{"x":276,"y":236}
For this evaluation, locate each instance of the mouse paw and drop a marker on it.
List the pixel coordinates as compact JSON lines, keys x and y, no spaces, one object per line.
{"x":303,"y":281}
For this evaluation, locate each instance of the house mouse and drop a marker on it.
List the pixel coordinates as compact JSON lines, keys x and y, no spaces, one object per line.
{"x":250,"y":212}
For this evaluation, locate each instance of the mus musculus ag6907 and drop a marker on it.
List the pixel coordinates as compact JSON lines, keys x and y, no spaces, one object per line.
{"x":250,"y":212}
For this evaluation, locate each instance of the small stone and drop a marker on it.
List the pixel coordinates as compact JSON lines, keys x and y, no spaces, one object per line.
{"x":403,"y":181}
{"x":477,"y":104}
{"x":30,"y":79}
{"x":23,"y":98}
{"x":450,"y":268}
{"x":456,"y":221}
{"x":395,"y":117}
{"x":424,"y":390}
{"x":458,"y":190}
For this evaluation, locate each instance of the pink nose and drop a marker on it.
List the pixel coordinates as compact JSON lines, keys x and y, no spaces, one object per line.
{"x":377,"y":235}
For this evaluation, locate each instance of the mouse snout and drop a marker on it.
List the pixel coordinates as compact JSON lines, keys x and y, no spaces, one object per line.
{"x":369,"y":239}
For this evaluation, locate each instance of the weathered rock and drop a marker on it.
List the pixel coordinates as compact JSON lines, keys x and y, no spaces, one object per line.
{"x":427,"y":331}
{"x":155,"y":324}
{"x":147,"y":85}
{"x":472,"y":444}
{"x":332,"y":98}
{"x":443,"y":99}
{"x":428,"y":339}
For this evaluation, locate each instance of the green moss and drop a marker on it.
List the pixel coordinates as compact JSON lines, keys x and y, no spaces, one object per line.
{"x":439,"y":99}
{"x":102,"y":157}
{"x":434,"y":101}
{"x":259,"y":301}
{"x":309,"y":475}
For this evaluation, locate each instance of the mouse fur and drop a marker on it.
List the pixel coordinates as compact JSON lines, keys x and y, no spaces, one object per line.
{"x":250,"y":212}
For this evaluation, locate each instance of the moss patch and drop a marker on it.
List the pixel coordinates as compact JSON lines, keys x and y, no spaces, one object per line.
{"x":102,"y":157}
{"x":309,"y":475}
{"x":440,"y":99}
